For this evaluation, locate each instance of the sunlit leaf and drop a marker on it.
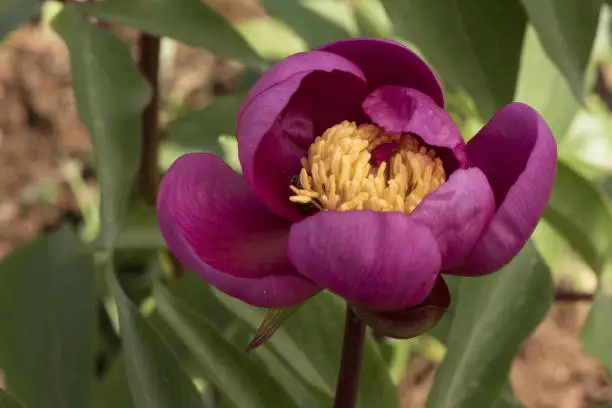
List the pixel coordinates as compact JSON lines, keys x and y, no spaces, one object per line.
{"x":596,"y":332}
{"x":566,"y":29}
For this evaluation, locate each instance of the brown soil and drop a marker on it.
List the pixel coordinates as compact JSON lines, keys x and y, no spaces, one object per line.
{"x":38,"y":121}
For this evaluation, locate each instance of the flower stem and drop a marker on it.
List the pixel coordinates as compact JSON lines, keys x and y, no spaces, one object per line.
{"x":350,"y":364}
{"x":148,"y":62}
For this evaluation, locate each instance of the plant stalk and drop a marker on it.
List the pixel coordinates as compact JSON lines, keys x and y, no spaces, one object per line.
{"x":148,"y":173}
{"x":350,"y":364}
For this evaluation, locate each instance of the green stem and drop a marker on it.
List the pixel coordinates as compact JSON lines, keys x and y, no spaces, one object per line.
{"x":350,"y":364}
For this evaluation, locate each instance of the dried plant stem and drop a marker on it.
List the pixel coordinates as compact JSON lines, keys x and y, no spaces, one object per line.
{"x":148,"y":174}
{"x":350,"y":364}
{"x":569,"y":296}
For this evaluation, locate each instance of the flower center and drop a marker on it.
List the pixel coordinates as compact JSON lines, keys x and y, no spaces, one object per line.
{"x":362,"y":167}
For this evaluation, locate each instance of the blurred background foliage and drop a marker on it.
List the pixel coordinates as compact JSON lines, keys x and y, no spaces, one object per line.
{"x":100,"y":316}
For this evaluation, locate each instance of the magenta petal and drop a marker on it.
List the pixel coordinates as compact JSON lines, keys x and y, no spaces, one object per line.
{"x":216,"y":227}
{"x":518,"y":154}
{"x":277,"y":125}
{"x":457,"y":213}
{"x":404,"y":110}
{"x":386,"y":62}
{"x":410,"y":322}
{"x":376,"y":260}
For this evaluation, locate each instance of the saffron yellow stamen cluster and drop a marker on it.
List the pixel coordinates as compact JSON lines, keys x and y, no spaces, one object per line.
{"x":338,"y":173}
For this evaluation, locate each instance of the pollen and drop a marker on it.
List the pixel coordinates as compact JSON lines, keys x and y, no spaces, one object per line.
{"x":362,"y":167}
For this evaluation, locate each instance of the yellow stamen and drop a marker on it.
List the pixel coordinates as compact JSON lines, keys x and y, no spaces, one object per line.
{"x":337,"y":174}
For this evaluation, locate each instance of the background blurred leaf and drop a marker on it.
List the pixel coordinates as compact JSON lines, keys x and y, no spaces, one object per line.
{"x":596,"y":332}
{"x":155,"y":377}
{"x":110,"y":95}
{"x":115,"y":391}
{"x":311,"y":341}
{"x":47,"y":321}
{"x":9,"y":401}
{"x":237,"y":377}
{"x":315,"y":29}
{"x":372,"y":18}
{"x":543,"y":87}
{"x":189,"y":21}
{"x":474,"y":44}
{"x":271,"y":38}
{"x":566,"y":29}
{"x":15,"y":12}
{"x":580,"y":212}
{"x":494,"y":314}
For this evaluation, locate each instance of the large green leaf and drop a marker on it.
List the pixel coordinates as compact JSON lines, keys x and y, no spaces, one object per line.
{"x":9,"y":401}
{"x":115,"y":391}
{"x":15,"y":12}
{"x":314,"y":28}
{"x":47,"y":321}
{"x":110,"y":95}
{"x":311,"y":340}
{"x":542,"y":87}
{"x":474,"y":44}
{"x":494,"y":314}
{"x":581,"y":213}
{"x":567,"y":31}
{"x":238,"y":378}
{"x":154,"y":374}
{"x":190,"y":21}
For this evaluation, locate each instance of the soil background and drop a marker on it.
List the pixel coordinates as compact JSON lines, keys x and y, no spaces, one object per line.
{"x":38,"y":123}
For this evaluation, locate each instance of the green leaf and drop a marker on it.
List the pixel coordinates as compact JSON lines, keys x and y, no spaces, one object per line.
{"x":155,"y":377}
{"x":373,"y":18}
{"x":238,"y":378}
{"x":9,"y":401}
{"x":271,"y":38}
{"x":315,"y":29}
{"x":596,"y":332}
{"x":15,"y":12}
{"x":310,"y":341}
{"x":566,"y":29}
{"x":507,"y":399}
{"x":581,"y":213}
{"x":542,"y":87}
{"x":478,"y":48}
{"x":110,"y":95}
{"x":114,"y":391}
{"x":47,"y":321}
{"x":494,"y":314}
{"x":205,"y":130}
{"x":189,"y":21}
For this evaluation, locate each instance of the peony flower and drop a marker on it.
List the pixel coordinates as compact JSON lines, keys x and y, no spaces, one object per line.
{"x":356,"y":180}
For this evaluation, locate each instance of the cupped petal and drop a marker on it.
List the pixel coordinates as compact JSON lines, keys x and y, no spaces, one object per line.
{"x":387,"y":62}
{"x":277,"y":125}
{"x":410,"y":322}
{"x":457,"y":213}
{"x":215,"y":225}
{"x":403,"y":110}
{"x":376,"y":260}
{"x":517,"y":153}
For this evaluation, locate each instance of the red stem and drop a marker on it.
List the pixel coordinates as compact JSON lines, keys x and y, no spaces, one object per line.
{"x":350,"y":364}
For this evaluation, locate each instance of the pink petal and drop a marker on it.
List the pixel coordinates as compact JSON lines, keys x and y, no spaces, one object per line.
{"x":457,"y":213}
{"x":292,"y":104}
{"x":376,"y":260}
{"x":518,"y":154}
{"x":410,"y":322}
{"x":214,"y":225}
{"x":386,"y":62}
{"x":404,"y":110}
